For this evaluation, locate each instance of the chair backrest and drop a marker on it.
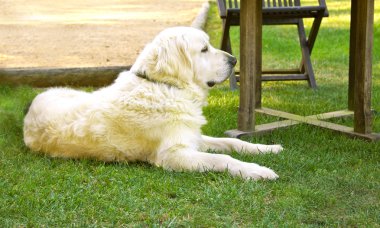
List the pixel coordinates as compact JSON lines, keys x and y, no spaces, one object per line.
{"x":280,"y":3}
{"x":235,"y":4}
{"x":275,"y":9}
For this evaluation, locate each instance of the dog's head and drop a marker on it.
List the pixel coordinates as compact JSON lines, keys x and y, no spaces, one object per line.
{"x":183,"y":56}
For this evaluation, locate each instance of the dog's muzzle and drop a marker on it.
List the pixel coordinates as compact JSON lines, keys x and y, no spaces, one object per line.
{"x":231,"y":61}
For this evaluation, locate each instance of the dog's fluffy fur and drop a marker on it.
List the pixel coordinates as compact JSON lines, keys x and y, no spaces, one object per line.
{"x":151,"y":113}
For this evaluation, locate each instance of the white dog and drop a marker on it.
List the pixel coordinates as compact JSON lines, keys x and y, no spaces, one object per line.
{"x":151,"y":113}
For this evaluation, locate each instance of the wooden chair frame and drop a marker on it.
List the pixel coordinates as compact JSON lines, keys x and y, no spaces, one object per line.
{"x":279,"y":12}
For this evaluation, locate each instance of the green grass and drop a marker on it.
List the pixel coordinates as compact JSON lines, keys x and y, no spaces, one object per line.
{"x":326,"y":180}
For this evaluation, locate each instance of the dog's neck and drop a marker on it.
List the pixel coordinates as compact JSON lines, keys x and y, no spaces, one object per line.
{"x":144,"y":76}
{"x":195,"y":90}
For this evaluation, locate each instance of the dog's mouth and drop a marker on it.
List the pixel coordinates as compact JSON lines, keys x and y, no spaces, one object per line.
{"x":212,"y":83}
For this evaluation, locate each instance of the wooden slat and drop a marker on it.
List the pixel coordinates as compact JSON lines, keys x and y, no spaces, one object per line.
{"x":304,"y":10}
{"x":268,"y":127}
{"x":335,"y":114}
{"x":281,"y":71}
{"x":235,"y":133}
{"x":261,"y":129}
{"x":265,"y":78}
{"x":236,"y":4}
{"x":307,"y":120}
{"x":296,"y":119}
{"x":322,"y":116}
{"x":222,"y":8}
{"x":264,"y":128}
{"x":283,"y":77}
{"x":278,"y":71}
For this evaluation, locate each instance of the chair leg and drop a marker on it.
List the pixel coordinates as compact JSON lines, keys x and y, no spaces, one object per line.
{"x":225,"y":36}
{"x":233,"y":81}
{"x":226,"y":46}
{"x":314,"y":31}
{"x":306,"y":55}
{"x":312,"y":37}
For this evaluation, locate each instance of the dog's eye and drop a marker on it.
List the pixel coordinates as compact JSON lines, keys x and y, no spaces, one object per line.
{"x":205,"y":49}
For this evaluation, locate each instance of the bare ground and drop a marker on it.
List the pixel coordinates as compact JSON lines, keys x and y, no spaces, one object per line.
{"x":87,"y":33}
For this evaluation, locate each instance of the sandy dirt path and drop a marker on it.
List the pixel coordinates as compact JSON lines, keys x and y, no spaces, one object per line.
{"x":86,"y":33}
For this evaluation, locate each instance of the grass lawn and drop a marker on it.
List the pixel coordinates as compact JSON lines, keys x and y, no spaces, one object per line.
{"x":325,"y":180}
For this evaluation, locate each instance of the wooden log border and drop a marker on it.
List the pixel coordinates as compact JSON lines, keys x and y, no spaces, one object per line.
{"x":42,"y":77}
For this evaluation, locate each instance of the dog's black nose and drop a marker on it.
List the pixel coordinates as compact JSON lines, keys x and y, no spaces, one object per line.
{"x":232,"y":60}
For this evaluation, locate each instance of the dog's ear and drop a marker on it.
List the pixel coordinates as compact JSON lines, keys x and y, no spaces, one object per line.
{"x":163,"y":62}
{"x":145,"y":62}
{"x":173,"y":58}
{"x":167,"y":60}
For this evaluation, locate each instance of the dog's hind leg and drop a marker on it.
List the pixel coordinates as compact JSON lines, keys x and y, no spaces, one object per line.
{"x":226,"y":145}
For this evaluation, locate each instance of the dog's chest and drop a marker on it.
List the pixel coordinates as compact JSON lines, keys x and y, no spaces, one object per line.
{"x":153,"y":107}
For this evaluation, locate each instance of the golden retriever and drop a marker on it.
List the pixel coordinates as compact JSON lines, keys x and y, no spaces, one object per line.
{"x":151,"y":113}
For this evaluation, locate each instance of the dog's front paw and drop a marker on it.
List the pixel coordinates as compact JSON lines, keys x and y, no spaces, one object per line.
{"x":252,"y":171}
{"x":264,"y":149}
{"x":250,"y":148}
{"x":274,"y":149}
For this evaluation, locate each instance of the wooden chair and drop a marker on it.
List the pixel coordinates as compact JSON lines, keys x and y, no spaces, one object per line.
{"x":279,"y":12}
